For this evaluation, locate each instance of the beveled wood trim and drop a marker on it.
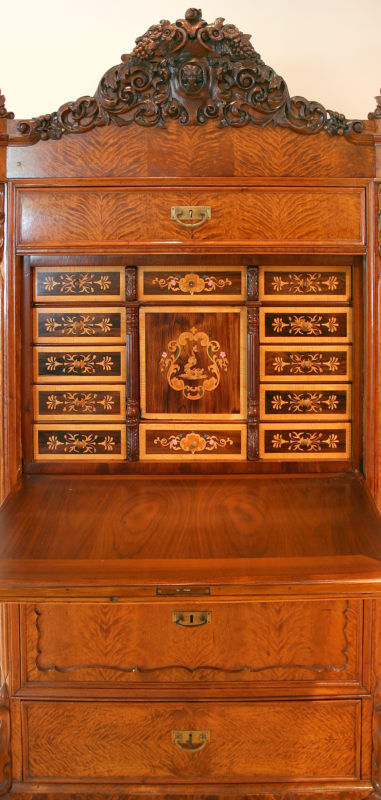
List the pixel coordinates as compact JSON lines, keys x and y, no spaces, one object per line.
{"x":189,"y":428}
{"x":107,"y":456}
{"x":305,"y":296}
{"x":79,"y":297}
{"x":306,"y":349}
{"x":82,"y":379}
{"x":300,"y":456}
{"x":196,"y":297}
{"x":93,"y":416}
{"x":243,"y":359}
{"x":310,"y":389}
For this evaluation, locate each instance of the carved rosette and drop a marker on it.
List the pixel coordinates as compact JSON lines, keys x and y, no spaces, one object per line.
{"x":190,"y":71}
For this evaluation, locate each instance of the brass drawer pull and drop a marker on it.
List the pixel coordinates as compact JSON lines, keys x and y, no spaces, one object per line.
{"x":190,"y":741}
{"x":198,"y":213}
{"x":191,"y":619}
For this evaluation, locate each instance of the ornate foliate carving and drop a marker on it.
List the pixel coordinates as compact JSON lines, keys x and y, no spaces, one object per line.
{"x":193,"y":72}
{"x":376,"y":114}
{"x":4,"y":114}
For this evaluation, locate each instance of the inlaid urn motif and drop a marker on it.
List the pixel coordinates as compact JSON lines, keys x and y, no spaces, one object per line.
{"x":193,"y":363}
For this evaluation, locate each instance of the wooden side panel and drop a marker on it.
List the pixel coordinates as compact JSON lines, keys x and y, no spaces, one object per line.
{"x":56,"y":217}
{"x":70,"y":741}
{"x":176,"y":640}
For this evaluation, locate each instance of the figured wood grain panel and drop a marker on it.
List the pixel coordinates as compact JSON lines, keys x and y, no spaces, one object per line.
{"x":72,"y":403}
{"x":322,"y":283}
{"x":192,"y":442}
{"x":313,"y":403}
{"x":295,"y":324}
{"x":78,"y":364}
{"x":75,"y":325}
{"x":316,"y":641}
{"x":86,"y":284}
{"x":192,"y":283}
{"x":296,"y":364}
{"x":73,"y":741}
{"x":297,"y":441}
{"x":206,"y":150}
{"x":193,"y":362}
{"x":321,"y":215}
{"x":57,"y":442}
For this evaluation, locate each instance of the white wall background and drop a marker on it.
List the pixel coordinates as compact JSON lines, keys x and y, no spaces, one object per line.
{"x":52,"y":52}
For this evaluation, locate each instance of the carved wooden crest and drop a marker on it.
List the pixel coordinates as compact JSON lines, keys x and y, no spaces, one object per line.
{"x":193,"y":72}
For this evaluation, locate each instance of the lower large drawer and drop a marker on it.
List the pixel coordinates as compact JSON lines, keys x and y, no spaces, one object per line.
{"x":67,"y":741}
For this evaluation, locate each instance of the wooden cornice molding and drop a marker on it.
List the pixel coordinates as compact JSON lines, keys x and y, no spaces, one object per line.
{"x":192,"y":72}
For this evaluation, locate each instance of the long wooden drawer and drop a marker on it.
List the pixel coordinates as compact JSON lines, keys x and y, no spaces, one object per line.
{"x":199,"y":640}
{"x":223,"y":741}
{"x":63,"y":217}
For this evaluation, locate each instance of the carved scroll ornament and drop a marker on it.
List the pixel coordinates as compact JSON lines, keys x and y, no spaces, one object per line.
{"x":192,"y":72}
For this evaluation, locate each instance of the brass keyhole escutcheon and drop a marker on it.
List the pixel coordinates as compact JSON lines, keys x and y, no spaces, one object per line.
{"x":191,"y":216}
{"x":191,"y":619}
{"x":190,"y":741}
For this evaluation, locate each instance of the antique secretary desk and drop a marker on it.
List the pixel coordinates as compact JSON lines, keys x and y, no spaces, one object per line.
{"x":190,"y":546}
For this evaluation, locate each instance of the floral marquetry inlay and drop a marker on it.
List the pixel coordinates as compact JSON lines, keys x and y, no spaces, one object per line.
{"x":193,"y":363}
{"x":193,"y":442}
{"x":83,"y":283}
{"x":306,"y":442}
{"x":306,"y":363}
{"x":320,"y":441}
{"x":191,"y":283}
{"x":58,"y":442}
{"x":307,"y":325}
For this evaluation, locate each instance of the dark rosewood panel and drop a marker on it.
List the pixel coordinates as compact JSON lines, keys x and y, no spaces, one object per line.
{"x":294,"y":401}
{"x":78,"y":364}
{"x":300,"y":441}
{"x":192,"y":362}
{"x":322,"y":283}
{"x":185,"y":442}
{"x":218,"y":283}
{"x":85,"y":284}
{"x":312,"y":323}
{"x":87,"y":442}
{"x":298,"y":363}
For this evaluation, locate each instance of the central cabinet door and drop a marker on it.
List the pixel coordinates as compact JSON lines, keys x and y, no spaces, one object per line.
{"x":193,"y":358}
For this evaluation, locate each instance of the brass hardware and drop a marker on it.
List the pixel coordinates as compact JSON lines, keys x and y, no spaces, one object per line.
{"x":182,"y":591}
{"x":198,"y":213}
{"x":191,"y":619}
{"x":190,"y":741}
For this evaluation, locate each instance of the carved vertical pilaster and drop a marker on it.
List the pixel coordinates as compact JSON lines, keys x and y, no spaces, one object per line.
{"x":252,"y":382}
{"x":5,"y":722}
{"x":132,"y":395}
{"x":2,"y":222}
{"x":252,"y":283}
{"x":379,"y":226}
{"x":131,"y":290}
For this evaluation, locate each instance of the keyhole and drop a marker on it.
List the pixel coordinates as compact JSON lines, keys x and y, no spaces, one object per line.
{"x":190,"y":213}
{"x":191,"y":619}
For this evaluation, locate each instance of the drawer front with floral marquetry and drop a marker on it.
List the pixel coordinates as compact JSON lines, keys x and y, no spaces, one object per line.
{"x":80,"y":365}
{"x":305,"y":363}
{"x":298,"y":324}
{"x":72,"y":403}
{"x":295,"y":401}
{"x":76,"y":325}
{"x":320,"y":283}
{"x":79,"y":283}
{"x":192,"y":443}
{"x":192,"y":283}
{"x":80,"y":442}
{"x":298,"y":441}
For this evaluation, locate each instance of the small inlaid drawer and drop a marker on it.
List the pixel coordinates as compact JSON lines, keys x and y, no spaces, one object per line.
{"x":321,"y":283}
{"x":81,"y":365}
{"x":86,"y":284}
{"x":79,"y":442}
{"x":285,"y":363}
{"x":192,"y":283}
{"x":76,"y":325}
{"x":295,"y":324}
{"x":323,"y":441}
{"x":295,"y":401}
{"x":73,"y":403}
{"x":192,"y":443}
{"x":219,"y":742}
